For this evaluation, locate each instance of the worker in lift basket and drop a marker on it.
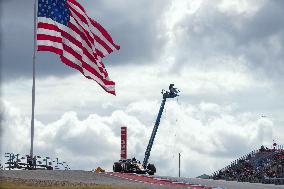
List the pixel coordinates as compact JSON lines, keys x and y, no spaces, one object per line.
{"x":172,"y":89}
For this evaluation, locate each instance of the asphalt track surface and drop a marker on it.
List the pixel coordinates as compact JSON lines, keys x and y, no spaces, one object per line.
{"x":144,"y":181}
{"x":227,"y":184}
{"x":194,"y":183}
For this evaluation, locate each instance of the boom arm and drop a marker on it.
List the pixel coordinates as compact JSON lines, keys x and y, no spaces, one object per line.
{"x":172,"y":93}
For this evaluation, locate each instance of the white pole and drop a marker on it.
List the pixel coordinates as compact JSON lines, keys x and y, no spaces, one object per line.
{"x":33,"y":89}
{"x":179,"y":164}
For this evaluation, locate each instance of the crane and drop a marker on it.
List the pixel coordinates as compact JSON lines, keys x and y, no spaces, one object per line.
{"x":172,"y":93}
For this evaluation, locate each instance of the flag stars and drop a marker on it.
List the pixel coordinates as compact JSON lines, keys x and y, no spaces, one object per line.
{"x":57,"y":10}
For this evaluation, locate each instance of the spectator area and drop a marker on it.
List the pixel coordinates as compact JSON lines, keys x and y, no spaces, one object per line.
{"x":265,"y":165}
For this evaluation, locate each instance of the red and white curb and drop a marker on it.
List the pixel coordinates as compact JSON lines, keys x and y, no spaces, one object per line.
{"x":157,"y":181}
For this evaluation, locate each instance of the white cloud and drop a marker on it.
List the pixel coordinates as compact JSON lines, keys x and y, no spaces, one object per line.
{"x":54,"y":96}
{"x":204,"y":139}
{"x":178,"y":10}
{"x":209,"y":107}
{"x":241,"y":7}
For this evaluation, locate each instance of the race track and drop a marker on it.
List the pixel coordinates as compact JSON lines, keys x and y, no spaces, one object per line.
{"x":123,"y":179}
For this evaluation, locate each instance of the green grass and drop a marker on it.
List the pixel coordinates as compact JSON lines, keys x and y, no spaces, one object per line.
{"x":17,"y":185}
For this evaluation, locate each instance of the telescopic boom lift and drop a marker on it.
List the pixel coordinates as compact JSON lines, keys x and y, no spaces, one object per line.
{"x":172,"y":93}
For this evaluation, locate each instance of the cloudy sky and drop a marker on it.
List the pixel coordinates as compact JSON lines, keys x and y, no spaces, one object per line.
{"x":226,"y":57}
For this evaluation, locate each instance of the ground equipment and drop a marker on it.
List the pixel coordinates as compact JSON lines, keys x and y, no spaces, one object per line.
{"x":15,"y":161}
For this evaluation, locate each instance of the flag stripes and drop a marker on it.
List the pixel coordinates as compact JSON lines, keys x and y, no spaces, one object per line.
{"x":81,"y":44}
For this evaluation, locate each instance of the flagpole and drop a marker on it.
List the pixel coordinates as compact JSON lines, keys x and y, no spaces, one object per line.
{"x":33,"y":88}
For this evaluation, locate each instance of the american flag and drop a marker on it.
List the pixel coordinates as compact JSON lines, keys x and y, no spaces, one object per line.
{"x":64,"y":28}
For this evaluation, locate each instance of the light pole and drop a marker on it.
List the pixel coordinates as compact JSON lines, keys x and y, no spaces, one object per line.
{"x":179,"y":164}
